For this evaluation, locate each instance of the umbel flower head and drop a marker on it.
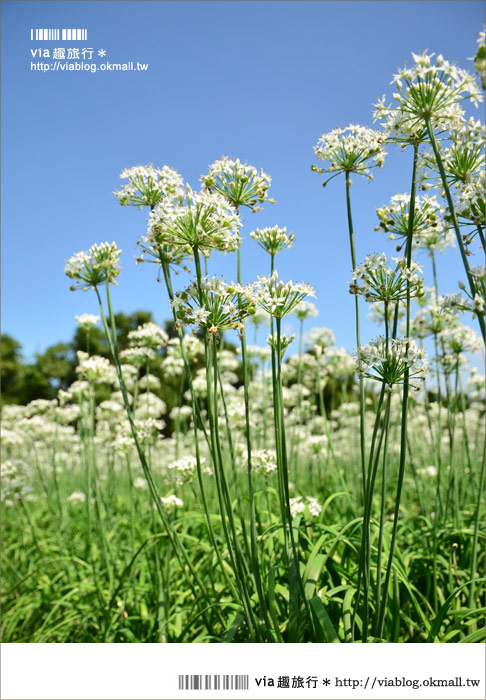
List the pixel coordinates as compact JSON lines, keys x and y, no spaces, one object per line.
{"x":241,"y":184}
{"x":377,"y":280}
{"x":471,"y":200}
{"x":320,"y":338}
{"x":388,"y":362}
{"x":459,"y":339}
{"x":352,"y":149}
{"x":464,"y":158}
{"x":147,"y":185}
{"x":202,"y":220}
{"x":149,"y":335}
{"x":475,"y":303}
{"x":273,"y":239}
{"x":430,"y":231}
{"x":430,"y":90}
{"x":280,"y":299}
{"x":434,"y":317}
{"x":306,"y":309}
{"x":214,"y":305}
{"x":100,"y":264}
{"x":87,"y":320}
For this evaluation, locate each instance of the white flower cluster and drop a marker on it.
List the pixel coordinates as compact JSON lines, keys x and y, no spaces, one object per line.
{"x":203,"y":220}
{"x":430,"y":90}
{"x":464,"y":158}
{"x":264,"y":461}
{"x":321,"y":337}
{"x":138,"y":356}
{"x":172,"y":501}
{"x":471,"y":199}
{"x":76,"y":497}
{"x":100,"y":264}
{"x":186,"y":469}
{"x":387,"y":361}
{"x":14,"y":483}
{"x":305,"y":504}
{"x":280,"y":299}
{"x":433,"y":318}
{"x":460,"y":339}
{"x":147,"y":185}
{"x":353,"y":149}
{"x":95,"y":369}
{"x":87,"y":320}
{"x":377,"y":280}
{"x":150,"y":335}
{"x":240,"y":183}
{"x":273,"y":239}
{"x":430,"y":231}
{"x":215,"y":305}
{"x":306,"y":309}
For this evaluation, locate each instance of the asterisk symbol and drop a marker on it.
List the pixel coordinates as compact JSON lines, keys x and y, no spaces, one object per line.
{"x":326,"y":681}
{"x":101,"y":52}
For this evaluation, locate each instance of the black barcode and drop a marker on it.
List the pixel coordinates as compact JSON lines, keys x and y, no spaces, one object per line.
{"x":58,"y":34}
{"x":208,"y":682}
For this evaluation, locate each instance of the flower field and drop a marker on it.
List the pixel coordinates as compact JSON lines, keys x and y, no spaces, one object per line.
{"x":201,"y":487}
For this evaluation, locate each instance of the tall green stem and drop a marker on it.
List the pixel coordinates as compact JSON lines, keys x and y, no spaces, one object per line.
{"x":452,"y":211}
{"x":403,"y":429}
{"x":358,"y":340}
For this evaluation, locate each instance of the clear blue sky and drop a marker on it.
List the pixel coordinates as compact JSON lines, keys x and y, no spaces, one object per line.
{"x":255,"y":80}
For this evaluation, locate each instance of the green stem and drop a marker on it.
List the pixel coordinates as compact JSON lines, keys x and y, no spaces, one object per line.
{"x":358,"y":341}
{"x":460,"y":242}
{"x":403,"y":429}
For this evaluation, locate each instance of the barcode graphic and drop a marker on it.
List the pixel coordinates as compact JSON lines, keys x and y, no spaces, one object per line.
{"x":208,"y":682}
{"x":58,"y":34}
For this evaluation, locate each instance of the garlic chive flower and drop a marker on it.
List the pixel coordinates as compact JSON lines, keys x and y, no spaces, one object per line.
{"x":461,"y":339}
{"x":273,"y":239}
{"x":430,"y":231}
{"x":306,"y":309}
{"x":149,"y":334}
{"x":186,"y":469}
{"x":214,"y":305}
{"x":388,"y":362}
{"x":305,"y":504}
{"x":476,"y":303}
{"x":464,"y":158}
{"x":100,"y":264}
{"x":147,"y":185}
{"x":352,"y":149}
{"x":202,"y":220}
{"x":279,"y":299}
{"x":377,"y":280}
{"x":172,"y":501}
{"x":241,"y":184}
{"x":264,"y":461}
{"x":285,"y":341}
{"x":430,"y":90}
{"x":320,"y":338}
{"x":434,"y":317}
{"x":471,"y":201}
{"x":87,"y":320}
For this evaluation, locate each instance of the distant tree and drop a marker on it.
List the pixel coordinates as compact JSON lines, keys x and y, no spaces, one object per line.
{"x":57,"y":364}
{"x":98,"y":345}
{"x":11,"y":369}
{"x":35,"y":385}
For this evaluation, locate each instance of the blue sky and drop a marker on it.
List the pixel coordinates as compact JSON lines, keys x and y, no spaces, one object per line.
{"x":255,"y":80}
